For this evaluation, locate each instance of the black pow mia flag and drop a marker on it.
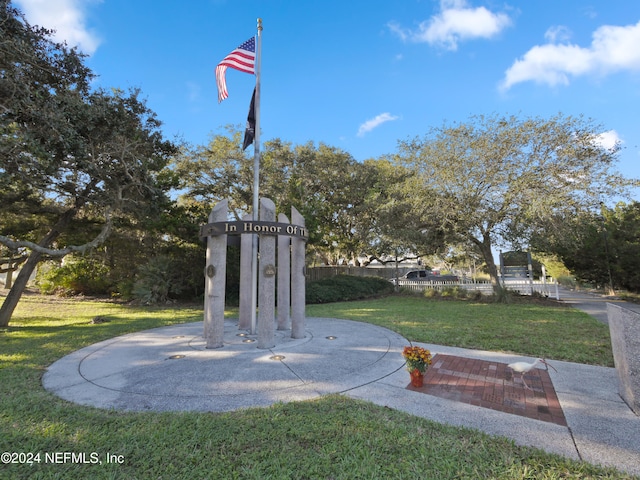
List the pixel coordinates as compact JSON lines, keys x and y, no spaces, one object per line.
{"x":250,"y":131}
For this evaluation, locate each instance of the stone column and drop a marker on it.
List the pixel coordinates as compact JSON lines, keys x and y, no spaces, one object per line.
{"x":284,"y":278}
{"x":244,"y":313}
{"x":215,"y":279}
{"x":297,"y":279}
{"x":267,"y":279}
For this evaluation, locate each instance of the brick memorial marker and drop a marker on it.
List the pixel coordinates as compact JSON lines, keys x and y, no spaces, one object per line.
{"x":493,"y":385}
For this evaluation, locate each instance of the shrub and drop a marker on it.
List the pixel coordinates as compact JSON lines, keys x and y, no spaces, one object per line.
{"x":407,"y":292}
{"x":346,"y":287}
{"x":475,"y":295}
{"x":124,"y":289}
{"x":462,"y":292}
{"x":455,"y":292}
{"x":432,"y":293}
{"x":447,"y":293}
{"x":504,"y":295}
{"x":567,"y":281}
{"x":158,"y":281}
{"x":76,"y":275}
{"x":47,"y":277}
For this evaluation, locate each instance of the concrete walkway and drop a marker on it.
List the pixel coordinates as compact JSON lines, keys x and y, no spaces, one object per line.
{"x":168,"y":369}
{"x":592,"y":303}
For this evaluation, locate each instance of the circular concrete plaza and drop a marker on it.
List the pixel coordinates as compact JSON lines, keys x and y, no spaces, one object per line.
{"x":169,"y":368}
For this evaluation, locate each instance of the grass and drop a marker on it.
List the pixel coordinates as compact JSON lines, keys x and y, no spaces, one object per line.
{"x":332,"y":437}
{"x":544,"y":329}
{"x":629,"y":296}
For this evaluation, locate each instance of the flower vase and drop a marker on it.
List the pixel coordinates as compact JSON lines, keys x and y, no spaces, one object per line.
{"x":417,"y":378}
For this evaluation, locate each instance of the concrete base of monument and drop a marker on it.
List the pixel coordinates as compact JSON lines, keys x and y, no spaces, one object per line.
{"x":169,"y":368}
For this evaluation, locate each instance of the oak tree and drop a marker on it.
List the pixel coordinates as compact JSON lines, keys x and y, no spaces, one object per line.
{"x":68,"y":155}
{"x":493,"y":181}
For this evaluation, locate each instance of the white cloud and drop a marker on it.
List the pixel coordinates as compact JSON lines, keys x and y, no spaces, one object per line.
{"x":612,"y":49}
{"x":608,"y":140}
{"x":398,"y":30}
{"x":375,"y":122}
{"x":557,"y":33}
{"x":66,"y":17}
{"x":455,"y":22}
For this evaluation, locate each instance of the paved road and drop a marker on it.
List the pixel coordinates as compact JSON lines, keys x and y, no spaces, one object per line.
{"x":593,"y":304}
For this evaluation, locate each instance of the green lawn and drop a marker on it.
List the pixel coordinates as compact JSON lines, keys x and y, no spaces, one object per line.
{"x":543,"y":329}
{"x":330,"y":438}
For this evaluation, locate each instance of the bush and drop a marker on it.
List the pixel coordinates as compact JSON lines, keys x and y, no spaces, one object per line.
{"x":567,"y":281}
{"x":504,"y":295}
{"x":158,"y":281}
{"x":475,"y":295}
{"x":124,"y":289}
{"x":77,"y":275}
{"x":432,"y":293}
{"x":346,"y":287}
{"x":453,"y":293}
{"x":456,"y":292}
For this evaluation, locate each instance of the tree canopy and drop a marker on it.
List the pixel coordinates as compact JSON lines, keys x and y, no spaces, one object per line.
{"x":325,"y":184}
{"x":68,"y":155}
{"x":601,"y":248}
{"x":495,"y":180}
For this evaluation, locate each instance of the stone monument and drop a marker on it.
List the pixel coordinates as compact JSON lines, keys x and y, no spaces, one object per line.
{"x":624,"y":326}
{"x":281,"y":262}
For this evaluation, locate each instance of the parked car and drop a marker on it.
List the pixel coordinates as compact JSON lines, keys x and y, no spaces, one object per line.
{"x":417,"y":275}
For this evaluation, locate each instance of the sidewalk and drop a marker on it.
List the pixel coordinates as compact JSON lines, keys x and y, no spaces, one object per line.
{"x":168,"y":369}
{"x":592,"y":303}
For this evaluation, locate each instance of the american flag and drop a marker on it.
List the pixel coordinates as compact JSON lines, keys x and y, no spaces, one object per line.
{"x":242,"y":58}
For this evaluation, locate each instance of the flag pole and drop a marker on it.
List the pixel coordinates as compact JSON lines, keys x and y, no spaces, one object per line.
{"x":256,"y":181}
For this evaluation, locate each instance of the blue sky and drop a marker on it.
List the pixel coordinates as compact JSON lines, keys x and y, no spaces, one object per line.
{"x":361,"y":75}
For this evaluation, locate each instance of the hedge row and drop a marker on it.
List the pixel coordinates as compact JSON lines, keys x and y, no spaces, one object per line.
{"x":343,"y":288}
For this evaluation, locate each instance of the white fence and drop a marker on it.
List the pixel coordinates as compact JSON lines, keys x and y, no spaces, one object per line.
{"x":523,"y":287}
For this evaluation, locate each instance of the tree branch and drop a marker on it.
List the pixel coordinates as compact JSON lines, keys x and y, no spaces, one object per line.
{"x":102,"y":236}
{"x":12,"y":263}
{"x":371,"y":258}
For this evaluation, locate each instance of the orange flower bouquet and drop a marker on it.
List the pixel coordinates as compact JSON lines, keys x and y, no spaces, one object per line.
{"x":417,"y":358}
